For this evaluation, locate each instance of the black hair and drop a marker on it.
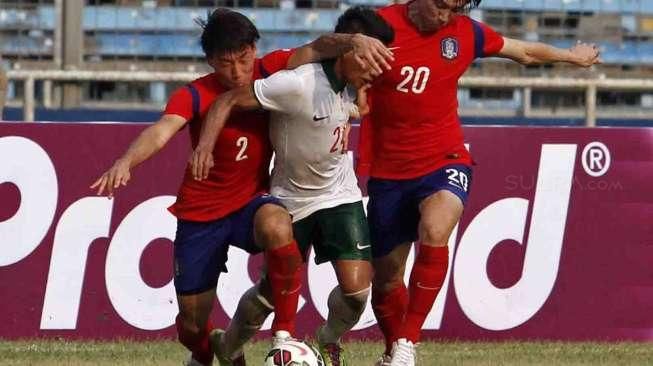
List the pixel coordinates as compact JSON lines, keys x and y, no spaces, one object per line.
{"x":226,"y":31}
{"x":364,"y":19}
{"x":469,"y":5}
{"x":473,"y":4}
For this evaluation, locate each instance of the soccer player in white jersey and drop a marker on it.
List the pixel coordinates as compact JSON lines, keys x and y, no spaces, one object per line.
{"x":313,"y":177}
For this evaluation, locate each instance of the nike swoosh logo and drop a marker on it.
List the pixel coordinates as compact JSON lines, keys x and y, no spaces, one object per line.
{"x":288,"y":292}
{"x":419,"y":284}
{"x":316,"y":118}
{"x":361,"y":247}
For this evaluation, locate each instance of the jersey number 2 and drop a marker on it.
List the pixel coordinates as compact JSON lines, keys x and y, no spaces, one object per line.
{"x":419,"y":79}
{"x":242,"y":144}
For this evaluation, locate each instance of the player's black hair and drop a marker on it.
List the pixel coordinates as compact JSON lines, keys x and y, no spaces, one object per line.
{"x":365,"y":20}
{"x":474,"y":4}
{"x":471,"y":4}
{"x":226,"y":31}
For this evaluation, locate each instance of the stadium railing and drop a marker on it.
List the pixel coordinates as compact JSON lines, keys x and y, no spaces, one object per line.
{"x":527,"y":84}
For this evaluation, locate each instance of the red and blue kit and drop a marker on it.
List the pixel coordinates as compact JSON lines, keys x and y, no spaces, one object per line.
{"x":219,"y":211}
{"x":241,"y":155}
{"x":412,"y":143}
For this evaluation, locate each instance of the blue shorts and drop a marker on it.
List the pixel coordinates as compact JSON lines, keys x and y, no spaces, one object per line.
{"x":201,"y":247}
{"x":393,"y":210}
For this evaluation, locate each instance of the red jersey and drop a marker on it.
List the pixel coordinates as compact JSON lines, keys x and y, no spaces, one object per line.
{"x":413,"y":126}
{"x":242,"y":152}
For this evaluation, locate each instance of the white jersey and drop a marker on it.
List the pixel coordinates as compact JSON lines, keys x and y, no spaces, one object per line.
{"x":310,"y":109}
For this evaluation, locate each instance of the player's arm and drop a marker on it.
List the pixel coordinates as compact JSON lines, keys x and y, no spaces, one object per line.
{"x":536,"y":53}
{"x":148,"y":143}
{"x":367,"y":51}
{"x":279,"y":92}
{"x":243,"y":98}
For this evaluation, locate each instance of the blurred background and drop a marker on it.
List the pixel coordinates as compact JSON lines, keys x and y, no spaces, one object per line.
{"x":101,"y":60}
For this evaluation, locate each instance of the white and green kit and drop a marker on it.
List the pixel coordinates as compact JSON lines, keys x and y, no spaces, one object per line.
{"x":312,"y":175}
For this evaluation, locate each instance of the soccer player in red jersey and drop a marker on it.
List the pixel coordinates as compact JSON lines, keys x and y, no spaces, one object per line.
{"x":412,"y":149}
{"x":231,"y":206}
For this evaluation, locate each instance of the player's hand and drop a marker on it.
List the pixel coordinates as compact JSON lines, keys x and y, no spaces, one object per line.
{"x":370,"y":52}
{"x":361,"y":101}
{"x":113,"y":178}
{"x":585,"y":54}
{"x":201,"y":162}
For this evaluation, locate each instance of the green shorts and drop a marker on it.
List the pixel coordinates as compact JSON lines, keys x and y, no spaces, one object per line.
{"x":336,"y":233}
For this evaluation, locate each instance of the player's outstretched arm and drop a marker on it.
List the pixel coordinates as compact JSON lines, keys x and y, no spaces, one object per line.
{"x":536,"y":53}
{"x":148,"y":143}
{"x":367,"y":50}
{"x":201,"y":160}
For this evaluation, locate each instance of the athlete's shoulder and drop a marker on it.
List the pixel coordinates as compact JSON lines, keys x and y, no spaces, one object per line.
{"x":391,"y":11}
{"x":206,"y":83}
{"x":308,"y":70}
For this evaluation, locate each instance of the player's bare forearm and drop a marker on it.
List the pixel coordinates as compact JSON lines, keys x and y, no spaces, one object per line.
{"x":152,"y":139}
{"x":238,"y":98}
{"x":536,"y":53}
{"x":201,"y":160}
{"x":331,"y":45}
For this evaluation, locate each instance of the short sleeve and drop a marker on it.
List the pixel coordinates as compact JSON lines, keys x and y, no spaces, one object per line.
{"x":487,"y":41}
{"x":180,"y":103}
{"x":275,"y":61}
{"x":280,"y":91}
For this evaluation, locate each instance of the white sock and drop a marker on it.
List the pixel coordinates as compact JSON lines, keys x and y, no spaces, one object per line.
{"x":250,"y":314}
{"x":344,"y":312}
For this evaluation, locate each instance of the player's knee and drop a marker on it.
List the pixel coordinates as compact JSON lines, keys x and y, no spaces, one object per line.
{"x":355,"y":284}
{"x":387,"y":276}
{"x":273,"y":227}
{"x":434,"y":235}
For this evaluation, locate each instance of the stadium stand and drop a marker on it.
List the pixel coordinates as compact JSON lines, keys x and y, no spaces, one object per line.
{"x":162,"y":36}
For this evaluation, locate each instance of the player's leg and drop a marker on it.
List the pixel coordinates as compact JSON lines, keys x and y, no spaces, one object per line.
{"x":341,"y":236}
{"x":440,"y":214}
{"x":444,"y":194}
{"x":263,"y":223}
{"x":193,"y":325}
{"x":393,"y":220}
{"x":273,"y":232}
{"x":389,"y":293}
{"x":200,"y":253}
{"x":251,"y":312}
{"x":346,"y":301}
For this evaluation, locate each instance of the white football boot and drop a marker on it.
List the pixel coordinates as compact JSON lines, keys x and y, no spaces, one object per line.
{"x":280,"y":337}
{"x":403,"y":353}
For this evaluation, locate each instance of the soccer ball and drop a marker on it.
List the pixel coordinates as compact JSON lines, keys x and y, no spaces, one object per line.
{"x":294,"y":353}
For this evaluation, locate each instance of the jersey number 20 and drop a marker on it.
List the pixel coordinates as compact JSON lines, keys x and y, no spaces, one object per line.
{"x":419,"y":79}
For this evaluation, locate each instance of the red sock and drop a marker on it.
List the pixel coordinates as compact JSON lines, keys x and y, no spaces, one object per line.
{"x":284,"y":265}
{"x":198,"y":344}
{"x":426,"y":279}
{"x":390,"y":309}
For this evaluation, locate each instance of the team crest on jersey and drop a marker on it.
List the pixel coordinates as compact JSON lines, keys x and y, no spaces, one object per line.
{"x":449,"y":48}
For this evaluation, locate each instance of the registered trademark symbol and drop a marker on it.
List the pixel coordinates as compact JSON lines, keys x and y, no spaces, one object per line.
{"x":596,"y":159}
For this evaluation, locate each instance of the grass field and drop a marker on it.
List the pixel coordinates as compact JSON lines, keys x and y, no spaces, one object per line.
{"x":360,"y":353}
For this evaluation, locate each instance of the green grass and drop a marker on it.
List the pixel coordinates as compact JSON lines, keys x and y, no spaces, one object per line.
{"x":41,"y":352}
